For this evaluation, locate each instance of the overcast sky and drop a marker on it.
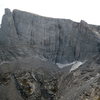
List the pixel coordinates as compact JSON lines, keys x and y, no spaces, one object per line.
{"x":88,"y":10}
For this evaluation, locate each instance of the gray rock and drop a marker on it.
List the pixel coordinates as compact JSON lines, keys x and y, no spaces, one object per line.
{"x":58,"y":40}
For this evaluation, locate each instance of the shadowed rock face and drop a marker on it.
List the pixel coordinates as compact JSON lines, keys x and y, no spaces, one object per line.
{"x":30,"y":45}
{"x":58,"y":40}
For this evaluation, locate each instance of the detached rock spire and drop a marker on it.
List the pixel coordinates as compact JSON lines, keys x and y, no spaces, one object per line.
{"x":7,"y":11}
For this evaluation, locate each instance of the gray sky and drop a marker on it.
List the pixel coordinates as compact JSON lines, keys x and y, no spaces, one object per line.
{"x":88,"y":10}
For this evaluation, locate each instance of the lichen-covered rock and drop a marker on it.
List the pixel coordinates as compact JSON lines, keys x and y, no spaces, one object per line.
{"x":28,"y":79}
{"x":27,"y":85}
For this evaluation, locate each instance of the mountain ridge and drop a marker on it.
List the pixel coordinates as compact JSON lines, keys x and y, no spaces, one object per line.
{"x":50,"y":36}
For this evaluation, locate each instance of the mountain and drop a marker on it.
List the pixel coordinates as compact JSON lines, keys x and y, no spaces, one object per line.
{"x":58,"y":40}
{"x":44,"y":58}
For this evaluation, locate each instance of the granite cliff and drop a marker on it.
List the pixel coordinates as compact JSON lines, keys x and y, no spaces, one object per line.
{"x":58,"y":40}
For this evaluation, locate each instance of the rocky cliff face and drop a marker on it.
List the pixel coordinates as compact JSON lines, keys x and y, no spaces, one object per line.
{"x":58,"y":40}
{"x":30,"y":45}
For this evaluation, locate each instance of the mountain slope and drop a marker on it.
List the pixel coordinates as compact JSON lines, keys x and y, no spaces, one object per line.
{"x":82,"y":83}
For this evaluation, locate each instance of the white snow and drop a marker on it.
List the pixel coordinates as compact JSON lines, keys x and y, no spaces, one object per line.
{"x":64,"y":65}
{"x":76,"y":65}
{"x":3,"y":62}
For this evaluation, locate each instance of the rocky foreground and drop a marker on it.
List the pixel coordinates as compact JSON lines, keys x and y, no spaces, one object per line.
{"x":48,"y":59}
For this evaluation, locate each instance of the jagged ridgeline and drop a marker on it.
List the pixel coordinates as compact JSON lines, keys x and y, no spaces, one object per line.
{"x":58,"y":40}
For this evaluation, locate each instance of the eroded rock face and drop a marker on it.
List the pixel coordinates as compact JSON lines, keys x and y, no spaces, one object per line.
{"x":58,"y":40}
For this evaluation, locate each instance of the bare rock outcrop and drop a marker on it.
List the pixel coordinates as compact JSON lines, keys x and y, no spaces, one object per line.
{"x":58,"y":40}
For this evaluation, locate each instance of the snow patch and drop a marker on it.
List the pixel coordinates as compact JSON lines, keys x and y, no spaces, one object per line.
{"x":76,"y":65}
{"x":64,"y":65}
{"x":3,"y":62}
